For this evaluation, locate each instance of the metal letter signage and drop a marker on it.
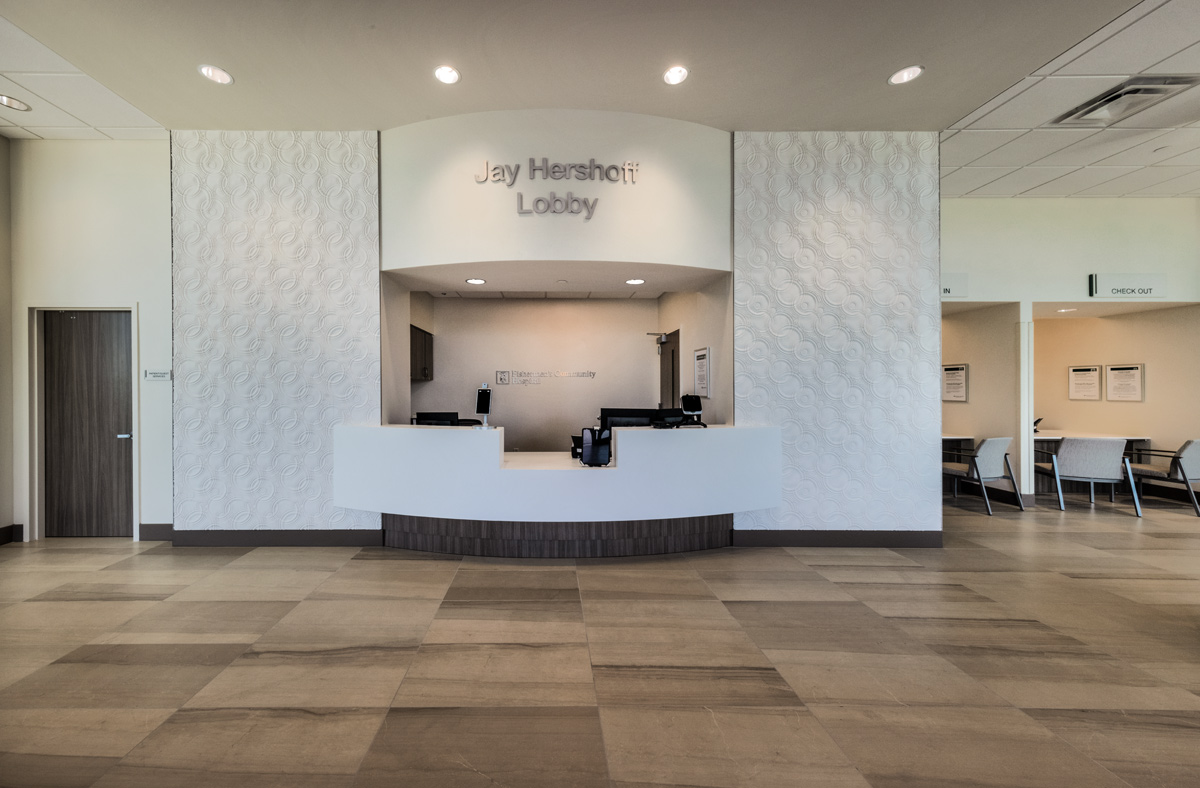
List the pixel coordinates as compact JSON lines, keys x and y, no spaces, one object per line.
{"x":555,"y":203}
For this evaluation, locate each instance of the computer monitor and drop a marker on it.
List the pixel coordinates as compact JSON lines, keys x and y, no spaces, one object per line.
{"x":627,"y":417}
{"x":437,"y":419}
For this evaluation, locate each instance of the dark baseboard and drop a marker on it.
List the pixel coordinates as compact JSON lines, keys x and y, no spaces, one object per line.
{"x":156,"y":532}
{"x":12,"y":533}
{"x":1173,"y":493}
{"x":325,"y":538}
{"x":808,"y":538}
{"x":556,"y":539}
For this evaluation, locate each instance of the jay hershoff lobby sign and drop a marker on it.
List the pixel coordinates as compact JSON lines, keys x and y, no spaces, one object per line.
{"x":555,"y":203}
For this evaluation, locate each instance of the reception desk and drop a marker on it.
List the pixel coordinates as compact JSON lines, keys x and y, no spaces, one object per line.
{"x":454,"y":489}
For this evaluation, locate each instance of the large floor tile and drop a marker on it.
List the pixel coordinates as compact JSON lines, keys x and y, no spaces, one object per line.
{"x":513,"y":585}
{"x":465,"y":748}
{"x":912,"y":747}
{"x":597,"y":584}
{"x":772,"y":586}
{"x":27,"y":770}
{"x":888,"y":679}
{"x":723,"y":747}
{"x":648,"y":646}
{"x":509,"y":674}
{"x":692,"y":686}
{"x":267,"y":585}
{"x":1147,"y":749}
{"x":210,"y":618}
{"x":87,"y":685}
{"x":98,"y":733}
{"x":822,"y":626}
{"x":267,"y":741}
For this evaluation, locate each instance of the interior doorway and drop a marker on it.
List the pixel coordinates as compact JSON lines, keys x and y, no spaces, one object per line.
{"x":668,"y":370}
{"x":87,"y":394}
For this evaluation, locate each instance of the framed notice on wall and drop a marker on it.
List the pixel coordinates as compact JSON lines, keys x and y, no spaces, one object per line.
{"x":955,"y":382}
{"x":1125,"y":382}
{"x":703,"y":369}
{"x":1083,"y":382}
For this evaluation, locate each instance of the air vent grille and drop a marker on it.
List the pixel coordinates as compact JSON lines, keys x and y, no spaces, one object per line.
{"x":1124,"y":101}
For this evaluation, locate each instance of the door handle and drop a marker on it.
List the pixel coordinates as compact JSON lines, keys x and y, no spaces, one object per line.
{"x":125,"y":435}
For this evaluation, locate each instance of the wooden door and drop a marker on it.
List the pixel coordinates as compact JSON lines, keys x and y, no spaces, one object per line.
{"x":668,"y":371}
{"x":88,"y":388}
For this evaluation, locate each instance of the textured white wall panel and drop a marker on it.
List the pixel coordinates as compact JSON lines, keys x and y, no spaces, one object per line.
{"x":276,"y":317}
{"x":837,"y":324}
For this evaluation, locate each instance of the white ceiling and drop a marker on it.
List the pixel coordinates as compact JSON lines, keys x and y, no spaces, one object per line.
{"x":66,"y":104}
{"x":997,"y":72}
{"x":1001,"y":149}
{"x":367,"y":64}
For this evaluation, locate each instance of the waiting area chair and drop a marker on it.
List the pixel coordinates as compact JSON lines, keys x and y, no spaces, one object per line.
{"x":1089,"y":460}
{"x":988,"y":463}
{"x":1184,"y":469}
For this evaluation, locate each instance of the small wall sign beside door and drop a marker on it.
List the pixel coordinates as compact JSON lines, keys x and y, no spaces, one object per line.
{"x":955,"y":382}
{"x":703,"y":370}
{"x":156,"y":374}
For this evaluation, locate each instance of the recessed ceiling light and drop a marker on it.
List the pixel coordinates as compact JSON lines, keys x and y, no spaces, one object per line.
{"x":562,"y":281}
{"x":674,"y":75}
{"x":1067,"y":310}
{"x":906,"y":75}
{"x":476,"y":282}
{"x":446,"y":74}
{"x":218,"y":75}
{"x":12,"y":103}
{"x":635,"y":281}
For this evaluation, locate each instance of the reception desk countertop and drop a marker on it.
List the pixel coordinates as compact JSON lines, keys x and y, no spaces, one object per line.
{"x":463,"y":473}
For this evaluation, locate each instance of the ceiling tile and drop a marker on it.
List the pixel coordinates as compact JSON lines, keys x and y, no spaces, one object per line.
{"x":522,"y":295}
{"x":1185,"y":62}
{"x":968,"y":179}
{"x":136,"y":134}
{"x":20,"y":51}
{"x":1008,"y":94}
{"x":614,"y":294}
{"x":1032,"y":146}
{"x":1191,"y":157}
{"x":1136,"y":181}
{"x":4,"y":122}
{"x":1020,"y":181}
{"x":1168,"y":29}
{"x":1172,"y":187}
{"x":1100,"y":36}
{"x":946,"y":171}
{"x":17,"y":133}
{"x":945,"y":135}
{"x":1167,"y":146}
{"x":1044,"y":102}
{"x":67,"y":133}
{"x":479,"y":294}
{"x":41,"y":113}
{"x":1078,"y":180}
{"x":1181,"y":109}
{"x":85,"y":98}
{"x":566,"y":295}
{"x":967,"y":146}
{"x":1099,"y":146}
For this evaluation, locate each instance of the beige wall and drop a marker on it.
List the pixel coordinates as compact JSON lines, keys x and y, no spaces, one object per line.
{"x":6,"y":377}
{"x":704,"y":319}
{"x":91,"y":228}
{"x":1167,"y":341}
{"x":989,"y":341}
{"x":1044,"y":249}
{"x":473,"y":338}
{"x":394,"y":371}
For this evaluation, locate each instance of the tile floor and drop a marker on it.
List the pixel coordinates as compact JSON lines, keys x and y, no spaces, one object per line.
{"x":1037,"y":649}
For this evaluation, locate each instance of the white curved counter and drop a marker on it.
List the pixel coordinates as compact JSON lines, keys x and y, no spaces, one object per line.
{"x":462,"y":473}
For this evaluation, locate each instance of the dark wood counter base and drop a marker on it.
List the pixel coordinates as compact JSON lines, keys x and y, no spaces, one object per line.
{"x":557,"y":540}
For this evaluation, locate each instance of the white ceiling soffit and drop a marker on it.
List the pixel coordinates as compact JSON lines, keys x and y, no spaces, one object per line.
{"x":1154,"y":153}
{"x":65,"y":104}
{"x":367,"y":64}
